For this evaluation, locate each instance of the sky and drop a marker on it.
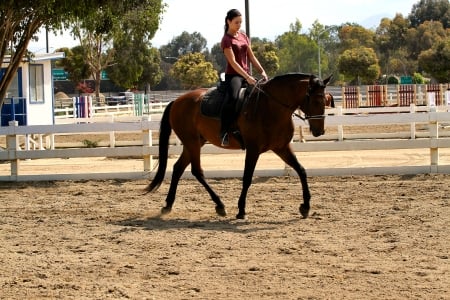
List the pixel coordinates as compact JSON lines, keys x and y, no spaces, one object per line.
{"x":268,"y":18}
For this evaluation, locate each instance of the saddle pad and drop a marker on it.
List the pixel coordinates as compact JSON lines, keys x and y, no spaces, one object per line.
{"x":212,"y":102}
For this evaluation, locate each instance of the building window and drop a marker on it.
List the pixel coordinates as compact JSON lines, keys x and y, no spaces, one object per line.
{"x":36,"y":83}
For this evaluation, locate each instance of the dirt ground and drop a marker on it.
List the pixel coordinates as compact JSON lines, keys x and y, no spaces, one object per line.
{"x":374,"y":237}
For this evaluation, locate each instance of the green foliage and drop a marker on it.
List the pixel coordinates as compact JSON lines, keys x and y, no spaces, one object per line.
{"x":297,"y":52}
{"x":74,"y":63}
{"x":218,"y":58}
{"x":136,"y":64}
{"x":183,"y":44}
{"x":22,"y":19}
{"x":193,"y":71}
{"x":418,"y":78}
{"x":436,"y":61}
{"x":424,"y":36}
{"x":94,"y":21}
{"x":265,"y":51}
{"x":359,"y":64}
{"x":430,"y":10}
{"x":90,"y":144}
{"x":353,"y":36}
{"x":131,"y":22}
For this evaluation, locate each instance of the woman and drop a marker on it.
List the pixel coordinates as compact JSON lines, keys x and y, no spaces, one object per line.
{"x":238,"y":52}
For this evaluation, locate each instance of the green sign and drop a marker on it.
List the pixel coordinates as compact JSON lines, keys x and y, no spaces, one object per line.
{"x":104,"y":75}
{"x":406,"y":80}
{"x":59,"y":74}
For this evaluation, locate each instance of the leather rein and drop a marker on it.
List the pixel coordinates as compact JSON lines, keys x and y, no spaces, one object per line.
{"x":307,"y":98}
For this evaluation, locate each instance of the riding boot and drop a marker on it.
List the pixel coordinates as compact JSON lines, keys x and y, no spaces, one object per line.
{"x":226,"y":118}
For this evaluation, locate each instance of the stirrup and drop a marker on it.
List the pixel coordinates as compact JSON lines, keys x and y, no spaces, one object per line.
{"x":225,"y":142}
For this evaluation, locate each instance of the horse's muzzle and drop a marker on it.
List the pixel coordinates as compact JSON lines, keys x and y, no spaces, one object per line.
{"x":316,"y":132}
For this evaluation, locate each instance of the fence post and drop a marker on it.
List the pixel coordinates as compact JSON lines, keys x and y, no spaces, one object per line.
{"x":340,"y":128}
{"x":146,"y":143}
{"x":412,"y":110}
{"x":112,"y":134}
{"x":12,"y":144}
{"x":434,"y":135}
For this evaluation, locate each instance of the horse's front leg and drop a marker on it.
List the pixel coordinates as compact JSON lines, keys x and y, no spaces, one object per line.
{"x":251,"y":158}
{"x":289,"y":158}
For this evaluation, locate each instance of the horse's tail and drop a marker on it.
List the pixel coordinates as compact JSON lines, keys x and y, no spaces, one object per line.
{"x":164,"y":135}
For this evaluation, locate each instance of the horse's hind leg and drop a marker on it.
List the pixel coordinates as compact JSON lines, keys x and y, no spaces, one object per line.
{"x":178,"y":169}
{"x":197,"y":171}
{"x":288,"y":157}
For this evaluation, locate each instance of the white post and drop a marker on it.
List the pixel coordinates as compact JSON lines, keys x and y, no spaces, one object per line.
{"x":340,"y":128}
{"x":431,"y":99}
{"x":146,"y":143}
{"x":434,"y":136}
{"x":412,"y":110}
{"x":112,"y":135}
{"x":12,"y":144}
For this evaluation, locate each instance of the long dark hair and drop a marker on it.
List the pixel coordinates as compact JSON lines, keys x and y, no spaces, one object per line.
{"x":231,"y":14}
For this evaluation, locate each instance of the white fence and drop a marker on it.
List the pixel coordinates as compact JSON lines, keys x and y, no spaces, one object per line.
{"x":433,"y":138}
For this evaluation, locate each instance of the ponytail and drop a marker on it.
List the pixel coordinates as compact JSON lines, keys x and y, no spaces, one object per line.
{"x":231,"y":14}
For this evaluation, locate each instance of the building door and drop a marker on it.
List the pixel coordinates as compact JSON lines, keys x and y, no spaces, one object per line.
{"x":15,"y":106}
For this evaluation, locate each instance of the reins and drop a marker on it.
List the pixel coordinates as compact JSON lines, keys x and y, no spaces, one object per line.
{"x":304,"y":118}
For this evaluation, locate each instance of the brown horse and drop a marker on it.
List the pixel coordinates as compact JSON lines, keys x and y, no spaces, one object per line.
{"x":265,"y":123}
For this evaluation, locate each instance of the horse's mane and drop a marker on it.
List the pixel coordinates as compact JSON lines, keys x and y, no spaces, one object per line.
{"x":297,"y":76}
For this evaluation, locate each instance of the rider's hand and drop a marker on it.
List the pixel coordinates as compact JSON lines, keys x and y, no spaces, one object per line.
{"x":264,"y":75}
{"x":251,"y":80}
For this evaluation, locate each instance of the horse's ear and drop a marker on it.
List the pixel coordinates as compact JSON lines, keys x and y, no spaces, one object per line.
{"x":327,"y":80}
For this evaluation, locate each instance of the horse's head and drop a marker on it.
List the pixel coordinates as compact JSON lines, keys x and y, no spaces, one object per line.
{"x":314,"y":105}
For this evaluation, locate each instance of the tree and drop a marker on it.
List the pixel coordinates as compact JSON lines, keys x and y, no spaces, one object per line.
{"x":266,"y":53}
{"x":359,"y":64}
{"x":183,"y":44}
{"x":423,"y":37}
{"x":134,"y":21}
{"x":391,"y":40}
{"x":327,"y":40}
{"x":136,"y":64}
{"x":218,"y":58}
{"x":436,"y":61}
{"x":354,"y":35}
{"x":74,"y":63}
{"x":297,"y":52}
{"x":20,"y":20}
{"x":430,"y":10}
{"x":194,"y":71}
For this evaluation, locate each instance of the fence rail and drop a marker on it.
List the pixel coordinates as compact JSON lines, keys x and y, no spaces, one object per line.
{"x":433,"y":139}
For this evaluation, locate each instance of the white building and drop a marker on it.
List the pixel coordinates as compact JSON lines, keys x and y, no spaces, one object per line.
{"x":30,"y":97}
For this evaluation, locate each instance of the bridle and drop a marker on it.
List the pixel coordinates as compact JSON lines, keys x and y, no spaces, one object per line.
{"x":276,"y":100}
{"x":309,"y":117}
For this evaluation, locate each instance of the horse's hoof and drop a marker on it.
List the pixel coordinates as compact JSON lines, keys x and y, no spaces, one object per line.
{"x":304,"y":211}
{"x":221,"y":211}
{"x":166,"y":210}
{"x":240,"y":216}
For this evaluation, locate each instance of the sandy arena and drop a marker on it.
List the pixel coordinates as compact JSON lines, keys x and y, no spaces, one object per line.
{"x":374,"y":237}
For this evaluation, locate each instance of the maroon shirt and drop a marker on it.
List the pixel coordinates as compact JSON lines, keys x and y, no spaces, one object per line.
{"x":239,"y":45}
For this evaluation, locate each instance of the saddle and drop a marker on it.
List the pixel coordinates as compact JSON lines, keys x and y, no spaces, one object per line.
{"x":214,"y":97}
{"x":211,"y":105}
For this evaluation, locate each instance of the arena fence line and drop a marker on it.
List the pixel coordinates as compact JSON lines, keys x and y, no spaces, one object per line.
{"x":435,"y":138}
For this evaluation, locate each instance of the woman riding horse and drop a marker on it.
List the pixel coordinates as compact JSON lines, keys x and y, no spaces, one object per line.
{"x":265,"y":123}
